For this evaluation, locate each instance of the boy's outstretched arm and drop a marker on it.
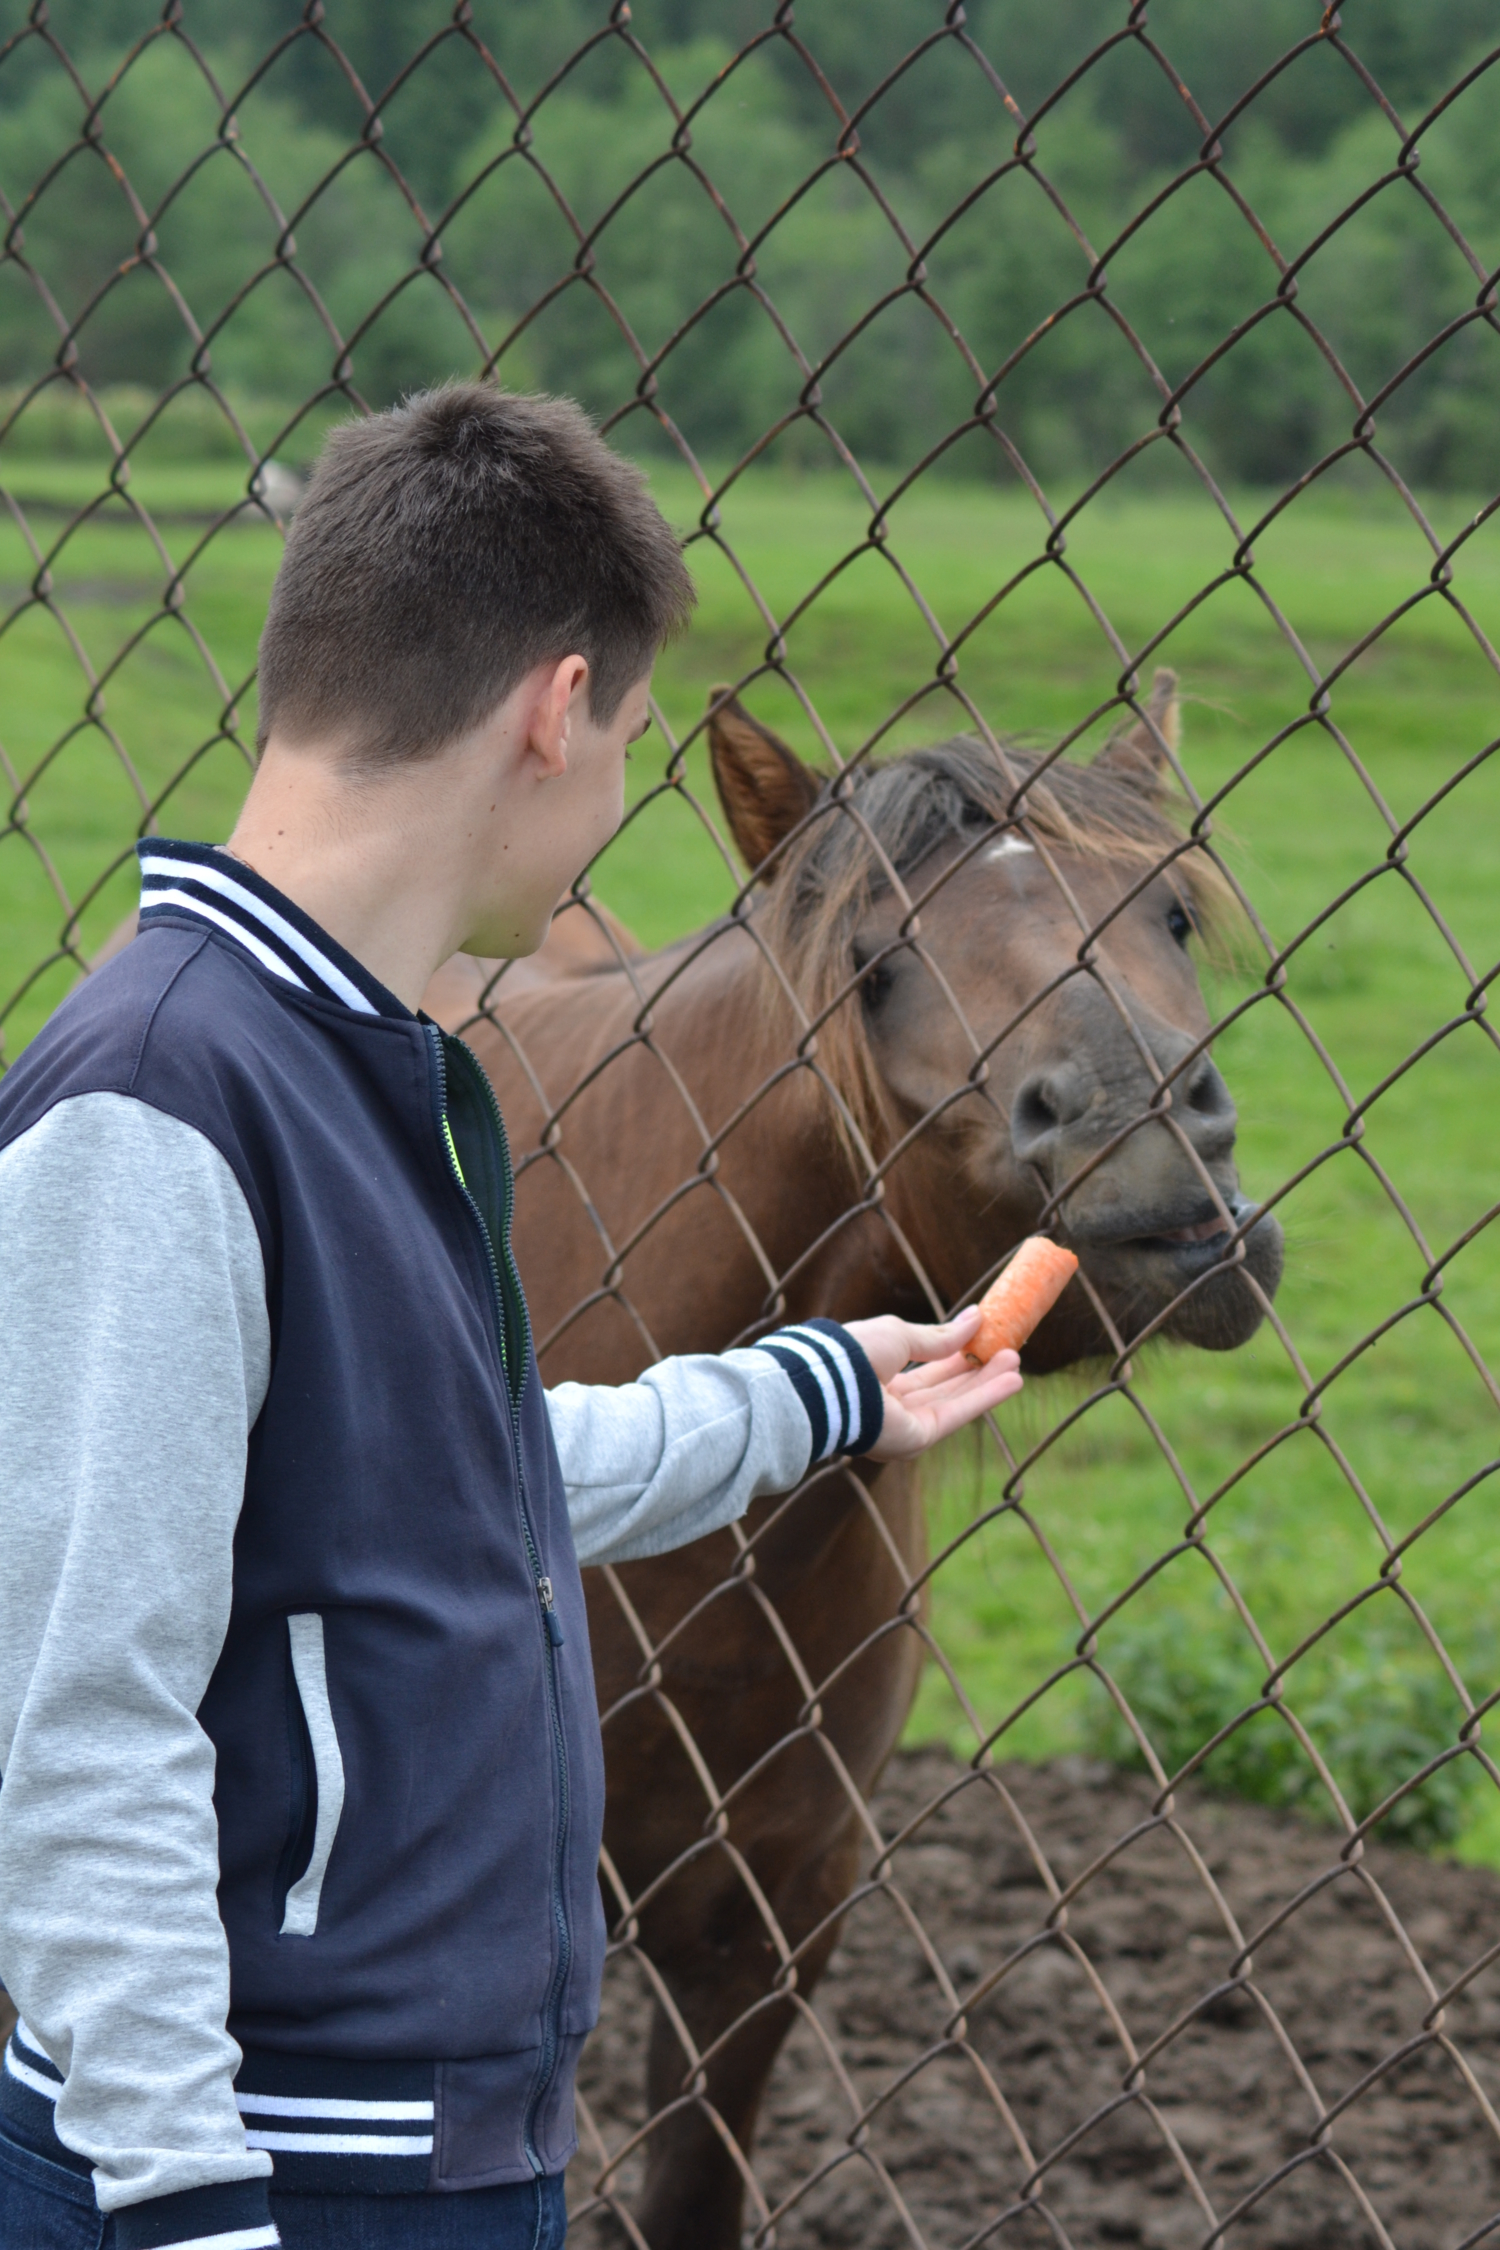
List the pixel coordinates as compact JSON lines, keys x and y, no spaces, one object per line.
{"x":681,"y":1452}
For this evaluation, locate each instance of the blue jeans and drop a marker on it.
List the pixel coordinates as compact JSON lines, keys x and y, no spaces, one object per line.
{"x":45,"y":2207}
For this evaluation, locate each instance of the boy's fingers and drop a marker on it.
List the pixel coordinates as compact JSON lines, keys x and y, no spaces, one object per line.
{"x":956,"y":1367}
{"x":918,"y":1361}
{"x":891,"y":1343}
{"x":920,"y":1414}
{"x":935,"y":1340}
{"x":924,"y":1374}
{"x":979,"y":1388}
{"x":957,"y":1387}
{"x":958,"y":1404}
{"x":954,"y":1414}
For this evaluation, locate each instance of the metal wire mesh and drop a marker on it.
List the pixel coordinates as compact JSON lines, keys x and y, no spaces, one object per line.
{"x":762,"y":1121}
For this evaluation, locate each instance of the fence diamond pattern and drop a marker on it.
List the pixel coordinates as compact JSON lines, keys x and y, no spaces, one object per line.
{"x":801,"y":1747}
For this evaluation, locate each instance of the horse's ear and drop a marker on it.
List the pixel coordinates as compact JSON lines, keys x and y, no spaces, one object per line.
{"x":1138,"y":754}
{"x":763,"y":785}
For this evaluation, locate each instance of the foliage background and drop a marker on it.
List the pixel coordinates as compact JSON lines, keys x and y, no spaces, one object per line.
{"x":1305,"y":148}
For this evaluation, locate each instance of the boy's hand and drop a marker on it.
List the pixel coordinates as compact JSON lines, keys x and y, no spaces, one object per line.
{"x":930,"y":1401}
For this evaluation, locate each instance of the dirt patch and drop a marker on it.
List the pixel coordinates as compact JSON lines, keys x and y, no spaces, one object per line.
{"x":1039,"y":2068}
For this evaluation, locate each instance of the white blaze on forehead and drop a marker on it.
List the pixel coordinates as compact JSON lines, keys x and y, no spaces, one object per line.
{"x":1007,"y":846}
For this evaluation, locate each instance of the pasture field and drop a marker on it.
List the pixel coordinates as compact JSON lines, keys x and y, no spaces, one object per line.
{"x":1411,"y":1418}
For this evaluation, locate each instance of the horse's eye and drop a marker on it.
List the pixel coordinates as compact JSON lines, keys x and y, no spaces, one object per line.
{"x":875,"y":984}
{"x":1179,"y":922}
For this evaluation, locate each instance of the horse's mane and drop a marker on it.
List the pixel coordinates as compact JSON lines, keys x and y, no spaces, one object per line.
{"x":876,"y":824}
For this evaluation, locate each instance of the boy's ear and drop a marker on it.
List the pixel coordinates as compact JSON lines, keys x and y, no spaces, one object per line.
{"x":763,"y":785}
{"x":1138,"y":754}
{"x":549,"y":718}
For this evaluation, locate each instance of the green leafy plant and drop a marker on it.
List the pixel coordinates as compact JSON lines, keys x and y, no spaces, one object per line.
{"x":1377,"y":1717}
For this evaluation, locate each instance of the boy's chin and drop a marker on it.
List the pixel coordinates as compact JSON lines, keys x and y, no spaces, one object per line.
{"x":508,"y":940}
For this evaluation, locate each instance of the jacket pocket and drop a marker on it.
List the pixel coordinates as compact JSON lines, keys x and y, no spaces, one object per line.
{"x":310,"y":1674}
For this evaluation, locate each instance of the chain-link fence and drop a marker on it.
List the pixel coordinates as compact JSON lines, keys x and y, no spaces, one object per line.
{"x":1136,"y":1940}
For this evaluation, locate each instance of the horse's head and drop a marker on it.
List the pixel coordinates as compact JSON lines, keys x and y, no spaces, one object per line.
{"x":997,"y":954}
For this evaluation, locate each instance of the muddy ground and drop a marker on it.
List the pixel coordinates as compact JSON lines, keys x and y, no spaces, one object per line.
{"x":1416,"y":2146}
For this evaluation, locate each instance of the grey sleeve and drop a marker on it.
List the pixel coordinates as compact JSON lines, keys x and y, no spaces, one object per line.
{"x":652,"y":1464}
{"x":134,"y":1356}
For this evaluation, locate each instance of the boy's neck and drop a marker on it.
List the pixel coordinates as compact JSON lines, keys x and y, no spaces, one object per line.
{"x":360,"y":857}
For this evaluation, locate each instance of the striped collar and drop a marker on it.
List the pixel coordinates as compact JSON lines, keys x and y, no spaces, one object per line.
{"x":197,"y":883}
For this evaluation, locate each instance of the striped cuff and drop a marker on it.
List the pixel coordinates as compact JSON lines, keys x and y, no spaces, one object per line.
{"x":233,"y":2216}
{"x":839,"y":1389}
{"x":236,"y":2216}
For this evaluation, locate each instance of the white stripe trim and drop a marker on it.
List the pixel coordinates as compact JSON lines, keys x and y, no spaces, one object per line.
{"x":29,"y":2040}
{"x":790,"y":1341}
{"x":242,"y":2238}
{"x":843,"y":1369}
{"x":319,"y":2105}
{"x":344,"y":2144}
{"x":309,"y":1663}
{"x":263,"y":953}
{"x":215,"y":879}
{"x":49,"y":2088}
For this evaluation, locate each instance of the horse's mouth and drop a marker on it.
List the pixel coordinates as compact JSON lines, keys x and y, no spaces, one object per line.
{"x":1177,"y":1271}
{"x":1147,"y":1233}
{"x":1219,"y":1275}
{"x":1206,"y":1230}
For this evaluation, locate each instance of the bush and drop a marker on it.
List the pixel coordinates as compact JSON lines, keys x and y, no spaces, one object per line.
{"x":1377,"y":1717}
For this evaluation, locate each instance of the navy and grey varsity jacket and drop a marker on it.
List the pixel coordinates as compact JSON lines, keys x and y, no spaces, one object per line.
{"x":302,"y":1786}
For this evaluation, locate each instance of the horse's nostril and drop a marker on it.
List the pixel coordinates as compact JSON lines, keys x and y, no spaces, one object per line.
{"x":1036,"y":1111}
{"x":1035,"y":1114}
{"x":1207,"y":1092}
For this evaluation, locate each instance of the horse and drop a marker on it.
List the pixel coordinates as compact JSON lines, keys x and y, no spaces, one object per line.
{"x":955,"y":1002}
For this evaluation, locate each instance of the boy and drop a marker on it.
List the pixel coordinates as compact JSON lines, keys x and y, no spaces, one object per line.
{"x":302,"y":1784}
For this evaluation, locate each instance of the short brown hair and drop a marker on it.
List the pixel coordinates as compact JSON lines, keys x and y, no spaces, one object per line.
{"x":445,"y":548}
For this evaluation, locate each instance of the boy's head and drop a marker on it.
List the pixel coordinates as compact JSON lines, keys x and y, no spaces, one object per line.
{"x":442,"y":552}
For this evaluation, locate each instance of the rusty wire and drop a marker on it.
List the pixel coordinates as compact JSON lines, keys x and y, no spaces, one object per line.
{"x":882,"y":1867}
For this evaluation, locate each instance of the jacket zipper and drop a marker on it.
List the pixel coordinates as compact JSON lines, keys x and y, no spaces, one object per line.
{"x":552,"y":1625}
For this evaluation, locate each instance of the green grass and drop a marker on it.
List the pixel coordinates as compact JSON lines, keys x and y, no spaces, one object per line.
{"x":1410,"y":1419}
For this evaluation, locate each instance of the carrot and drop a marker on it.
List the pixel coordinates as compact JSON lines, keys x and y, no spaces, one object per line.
{"x":1021,"y":1298}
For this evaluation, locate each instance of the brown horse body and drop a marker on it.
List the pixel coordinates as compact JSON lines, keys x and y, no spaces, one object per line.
{"x":706,"y":1145}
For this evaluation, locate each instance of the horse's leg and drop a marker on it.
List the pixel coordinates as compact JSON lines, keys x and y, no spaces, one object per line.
{"x":731,"y":1686}
{"x":718,"y":1968}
